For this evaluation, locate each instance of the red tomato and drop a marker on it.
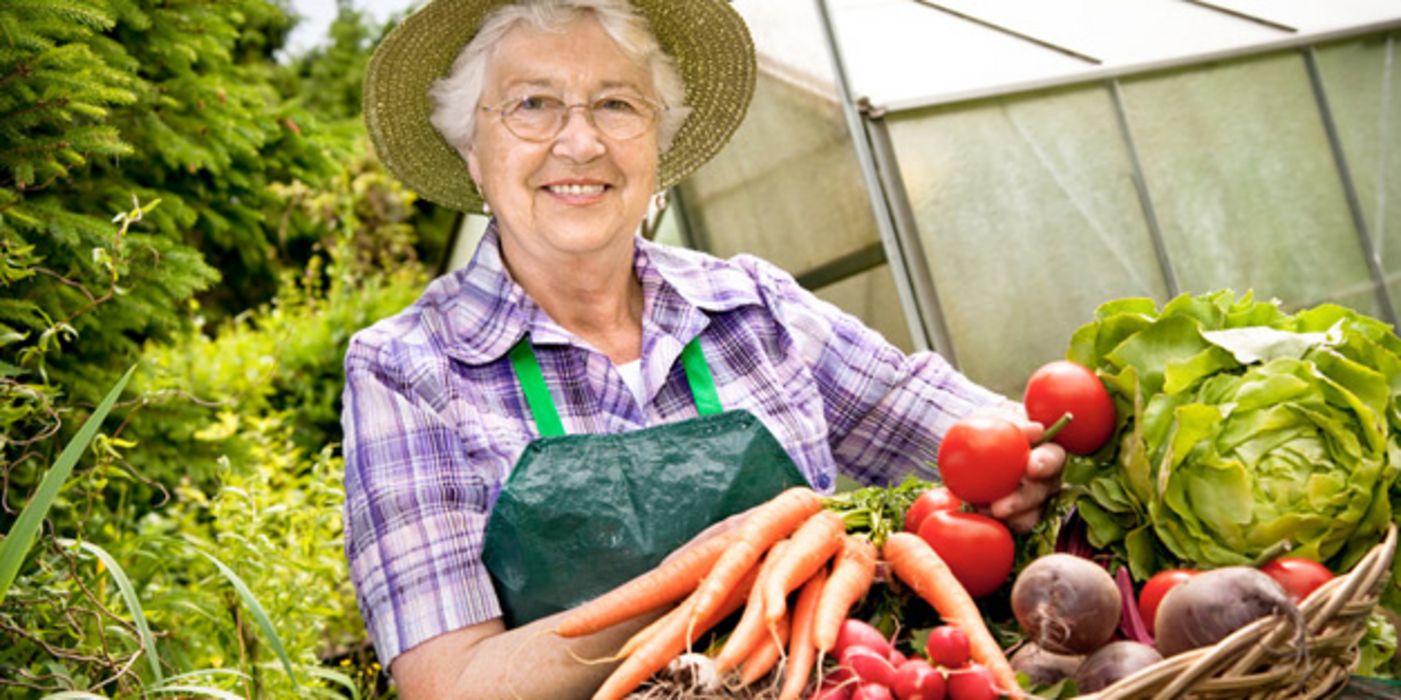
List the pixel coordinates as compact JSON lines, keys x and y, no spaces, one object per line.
{"x":948,"y":646}
{"x":917,"y":680}
{"x":1062,"y":387}
{"x":1298,"y":576}
{"x":972,"y":683}
{"x":1153,"y":591}
{"x":983,"y":458}
{"x":978,"y":549}
{"x":927,"y":502}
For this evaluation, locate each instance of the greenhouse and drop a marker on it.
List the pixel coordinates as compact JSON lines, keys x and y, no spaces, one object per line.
{"x":1017,"y":163}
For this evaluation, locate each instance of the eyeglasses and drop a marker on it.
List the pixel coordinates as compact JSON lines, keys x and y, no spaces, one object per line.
{"x":542,"y":117}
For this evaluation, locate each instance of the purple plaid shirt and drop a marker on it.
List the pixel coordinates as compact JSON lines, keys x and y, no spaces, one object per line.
{"x":434,"y":418}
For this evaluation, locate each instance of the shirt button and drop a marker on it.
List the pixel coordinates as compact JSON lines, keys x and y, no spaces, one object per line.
{"x":823,"y":481}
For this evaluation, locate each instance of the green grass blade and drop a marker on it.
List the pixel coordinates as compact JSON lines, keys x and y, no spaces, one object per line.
{"x":331,"y":675}
{"x":74,"y":695}
{"x":204,"y":672}
{"x":256,"y":610}
{"x":133,"y":603}
{"x":196,"y":690}
{"x":15,"y":547}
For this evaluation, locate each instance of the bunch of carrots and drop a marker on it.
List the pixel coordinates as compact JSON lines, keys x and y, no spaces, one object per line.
{"x":791,"y":543}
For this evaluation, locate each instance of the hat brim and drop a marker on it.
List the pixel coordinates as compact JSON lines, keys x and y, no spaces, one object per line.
{"x":707,"y":38}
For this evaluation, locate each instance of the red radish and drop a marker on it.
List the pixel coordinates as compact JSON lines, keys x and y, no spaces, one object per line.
{"x":838,"y":675}
{"x":948,"y":646}
{"x":897,"y":657}
{"x":1156,"y":587}
{"x":1298,"y":576}
{"x":856,"y":632}
{"x":1062,"y":387}
{"x":872,"y":691}
{"x":978,"y":549}
{"x":833,"y":692}
{"x":917,"y":680}
{"x":983,"y":458}
{"x":974,"y":682}
{"x":869,"y":665}
{"x":927,"y":502}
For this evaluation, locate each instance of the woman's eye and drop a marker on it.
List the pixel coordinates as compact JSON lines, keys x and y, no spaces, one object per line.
{"x":620,"y":105}
{"x":535,"y":103}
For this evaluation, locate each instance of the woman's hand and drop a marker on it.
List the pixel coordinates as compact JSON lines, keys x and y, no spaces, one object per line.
{"x":1021,"y":509}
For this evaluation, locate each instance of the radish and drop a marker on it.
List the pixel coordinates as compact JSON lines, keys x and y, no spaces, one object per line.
{"x":948,"y":646}
{"x":872,"y":691}
{"x":869,"y":665}
{"x":917,"y":680}
{"x":972,"y":682}
{"x":1210,"y":606}
{"x":855,"y":632}
{"x":1066,"y":604}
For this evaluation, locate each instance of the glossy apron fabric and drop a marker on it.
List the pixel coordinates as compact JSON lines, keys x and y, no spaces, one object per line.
{"x":581,"y":514}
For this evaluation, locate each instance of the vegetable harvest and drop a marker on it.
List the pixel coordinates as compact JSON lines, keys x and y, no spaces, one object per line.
{"x":797,"y":546}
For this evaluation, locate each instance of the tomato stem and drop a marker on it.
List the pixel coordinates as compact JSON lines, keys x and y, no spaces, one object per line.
{"x":1056,"y":427}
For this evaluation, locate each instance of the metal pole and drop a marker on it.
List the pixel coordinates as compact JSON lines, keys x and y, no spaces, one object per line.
{"x":1359,"y":220}
{"x":919,"y":334}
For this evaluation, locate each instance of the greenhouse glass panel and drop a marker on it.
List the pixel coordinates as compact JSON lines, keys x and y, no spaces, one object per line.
{"x":872,"y":297}
{"x":1363,"y":82}
{"x":1246,"y":188}
{"x":1029,"y":218}
{"x":787,"y":188}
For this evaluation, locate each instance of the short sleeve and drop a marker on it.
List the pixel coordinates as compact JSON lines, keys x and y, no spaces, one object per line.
{"x":415,"y":509}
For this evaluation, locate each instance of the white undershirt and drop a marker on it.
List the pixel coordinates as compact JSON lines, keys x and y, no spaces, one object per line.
{"x":632,"y":376}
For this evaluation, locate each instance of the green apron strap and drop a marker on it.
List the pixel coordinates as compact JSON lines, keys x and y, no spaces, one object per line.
{"x":699,"y":377}
{"x":542,"y":405}
{"x":537,"y":393}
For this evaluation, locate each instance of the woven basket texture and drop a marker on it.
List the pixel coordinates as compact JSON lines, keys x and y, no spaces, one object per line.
{"x":1265,"y":659}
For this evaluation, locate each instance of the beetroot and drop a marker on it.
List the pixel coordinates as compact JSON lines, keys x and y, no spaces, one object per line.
{"x":1112,"y":662}
{"x":1210,"y":606}
{"x":1066,"y":604}
{"x":1044,"y":667}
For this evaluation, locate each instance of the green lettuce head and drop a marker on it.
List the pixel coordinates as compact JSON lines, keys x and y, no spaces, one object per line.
{"x":1241,"y":428}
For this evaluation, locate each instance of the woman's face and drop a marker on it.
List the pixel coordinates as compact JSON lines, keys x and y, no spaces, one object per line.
{"x":581,"y":191}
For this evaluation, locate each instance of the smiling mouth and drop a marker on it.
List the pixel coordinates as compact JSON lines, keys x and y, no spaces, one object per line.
{"x":577,"y":190}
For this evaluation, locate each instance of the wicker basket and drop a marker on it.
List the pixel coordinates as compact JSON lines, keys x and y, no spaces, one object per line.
{"x":1262,"y":659}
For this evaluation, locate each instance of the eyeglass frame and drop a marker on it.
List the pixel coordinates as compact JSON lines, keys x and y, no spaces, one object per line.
{"x":506,"y":108}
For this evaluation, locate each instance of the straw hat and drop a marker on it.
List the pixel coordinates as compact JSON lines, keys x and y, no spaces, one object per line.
{"x":707,"y":38}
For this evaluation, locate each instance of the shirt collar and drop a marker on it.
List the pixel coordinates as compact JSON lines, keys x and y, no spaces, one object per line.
{"x":480,"y":312}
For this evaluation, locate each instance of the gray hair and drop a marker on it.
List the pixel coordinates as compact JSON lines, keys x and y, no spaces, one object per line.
{"x":456,"y":96}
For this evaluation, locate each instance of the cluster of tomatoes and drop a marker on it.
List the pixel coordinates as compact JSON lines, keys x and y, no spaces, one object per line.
{"x":869,"y":667}
{"x":983,"y":458}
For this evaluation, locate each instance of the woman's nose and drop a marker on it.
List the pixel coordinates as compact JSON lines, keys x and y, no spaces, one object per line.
{"x":579,"y":140}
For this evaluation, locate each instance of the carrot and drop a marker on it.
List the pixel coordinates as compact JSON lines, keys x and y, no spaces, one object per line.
{"x":766,"y":656}
{"x":800,"y":649}
{"x":667,"y":583}
{"x":768,"y":523}
{"x":809,"y":549}
{"x":667,"y":642}
{"x":749,"y":631}
{"x":852,"y":575}
{"x":913,"y":561}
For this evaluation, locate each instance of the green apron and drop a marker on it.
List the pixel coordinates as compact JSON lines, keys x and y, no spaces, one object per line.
{"x":581,"y":514}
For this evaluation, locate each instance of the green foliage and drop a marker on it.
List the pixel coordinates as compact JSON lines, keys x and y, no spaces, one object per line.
{"x":218,"y":166}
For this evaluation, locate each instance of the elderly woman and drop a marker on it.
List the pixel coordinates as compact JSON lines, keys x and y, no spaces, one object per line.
{"x":677,"y":380}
